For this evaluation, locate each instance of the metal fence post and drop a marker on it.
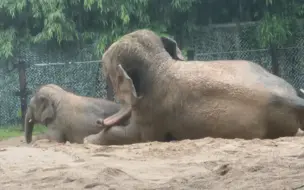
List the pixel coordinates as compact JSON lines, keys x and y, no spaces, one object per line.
{"x":22,"y":89}
{"x":275,"y":67}
{"x":110,"y":93}
{"x":190,"y":55}
{"x":109,"y":88}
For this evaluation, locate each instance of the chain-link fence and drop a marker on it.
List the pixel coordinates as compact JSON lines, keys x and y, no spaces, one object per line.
{"x":72,"y":70}
{"x":82,"y":78}
{"x":241,"y":42}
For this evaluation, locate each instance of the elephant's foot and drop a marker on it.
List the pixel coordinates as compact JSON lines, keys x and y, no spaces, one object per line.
{"x":50,"y":136}
{"x":92,"y":139}
{"x":42,"y":136}
{"x":115,"y":135}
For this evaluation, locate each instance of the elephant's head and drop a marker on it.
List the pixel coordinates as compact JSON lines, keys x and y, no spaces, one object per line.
{"x":41,"y":109}
{"x":136,"y":53}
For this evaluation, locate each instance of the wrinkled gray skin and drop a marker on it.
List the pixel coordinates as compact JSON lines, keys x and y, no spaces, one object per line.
{"x":195,"y":99}
{"x":68,"y":117}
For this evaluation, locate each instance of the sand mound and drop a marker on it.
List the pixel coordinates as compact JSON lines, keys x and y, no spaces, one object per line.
{"x":190,"y":164}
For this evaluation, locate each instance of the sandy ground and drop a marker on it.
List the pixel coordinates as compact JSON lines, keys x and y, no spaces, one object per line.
{"x":190,"y":164}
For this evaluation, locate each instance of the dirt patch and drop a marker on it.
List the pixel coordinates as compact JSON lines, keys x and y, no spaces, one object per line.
{"x":190,"y":164}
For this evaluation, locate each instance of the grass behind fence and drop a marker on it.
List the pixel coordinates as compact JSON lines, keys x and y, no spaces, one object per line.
{"x":7,"y":132}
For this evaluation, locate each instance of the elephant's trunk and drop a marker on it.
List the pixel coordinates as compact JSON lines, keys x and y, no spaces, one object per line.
{"x":28,"y":125}
{"x":123,"y":114}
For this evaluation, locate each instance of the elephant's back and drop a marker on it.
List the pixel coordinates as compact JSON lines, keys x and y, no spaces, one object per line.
{"x":85,"y":107}
{"x":107,"y":106}
{"x":235,"y":73}
{"x":100,"y":106}
{"x":277,"y":84}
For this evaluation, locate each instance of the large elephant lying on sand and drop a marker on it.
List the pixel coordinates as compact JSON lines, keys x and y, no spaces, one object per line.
{"x":195,"y":99}
{"x":68,"y":117}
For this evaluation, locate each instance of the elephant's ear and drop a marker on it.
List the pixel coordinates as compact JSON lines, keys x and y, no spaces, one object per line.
{"x":126,"y":87}
{"x":46,"y":108}
{"x":172,"y":48}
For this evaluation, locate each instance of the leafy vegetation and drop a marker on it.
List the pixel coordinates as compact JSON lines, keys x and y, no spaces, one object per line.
{"x":278,"y":20}
{"x":59,"y":23}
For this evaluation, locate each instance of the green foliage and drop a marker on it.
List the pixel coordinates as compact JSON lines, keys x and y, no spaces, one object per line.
{"x":100,"y":22}
{"x":299,"y":10}
{"x":185,"y":53}
{"x":274,"y":30}
{"x":7,"y":38}
{"x":278,"y":18}
{"x":83,"y":21}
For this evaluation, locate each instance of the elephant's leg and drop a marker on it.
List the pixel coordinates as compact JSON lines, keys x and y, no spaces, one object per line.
{"x":40,"y":136}
{"x":116,"y":135}
{"x":52,"y":135}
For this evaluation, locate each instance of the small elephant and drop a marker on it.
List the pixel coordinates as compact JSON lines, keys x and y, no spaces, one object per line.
{"x":68,"y":117}
{"x":195,"y":99}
